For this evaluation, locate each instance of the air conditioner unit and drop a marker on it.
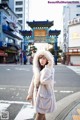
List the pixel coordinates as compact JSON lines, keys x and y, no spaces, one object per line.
{"x":75,"y":21}
{"x":4,"y":44}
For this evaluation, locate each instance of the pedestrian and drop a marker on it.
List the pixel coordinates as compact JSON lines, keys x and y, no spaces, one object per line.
{"x":41,"y":90}
{"x":25,"y":59}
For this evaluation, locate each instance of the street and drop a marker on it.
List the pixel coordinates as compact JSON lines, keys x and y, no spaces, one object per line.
{"x":14,"y":83}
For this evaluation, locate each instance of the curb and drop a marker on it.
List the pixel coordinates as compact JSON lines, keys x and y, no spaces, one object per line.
{"x":64,"y":106}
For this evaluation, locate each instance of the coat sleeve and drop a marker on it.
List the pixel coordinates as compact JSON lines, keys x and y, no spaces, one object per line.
{"x":47,"y":76}
{"x":31,"y":88}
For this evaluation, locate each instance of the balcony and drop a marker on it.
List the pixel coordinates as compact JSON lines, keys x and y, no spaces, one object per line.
{"x":6,"y":29}
{"x":18,"y":35}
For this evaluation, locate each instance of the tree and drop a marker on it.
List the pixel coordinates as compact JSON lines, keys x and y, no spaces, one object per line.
{"x":32,"y":49}
{"x":58,"y":52}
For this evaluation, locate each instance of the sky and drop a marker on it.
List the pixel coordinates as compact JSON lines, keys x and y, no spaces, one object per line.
{"x":41,"y":10}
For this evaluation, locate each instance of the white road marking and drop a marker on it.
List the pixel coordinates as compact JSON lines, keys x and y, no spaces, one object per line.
{"x":4,"y":106}
{"x":22,"y":89}
{"x":16,"y":102}
{"x":22,"y":69}
{"x":18,"y":68}
{"x":2,"y":88}
{"x":76,"y":69}
{"x":26,"y":87}
{"x":17,"y":94}
{"x":66,"y":91}
{"x":8,"y":69}
{"x":12,"y":97}
{"x":12,"y":89}
{"x":27,"y":112}
{"x":63,"y":91}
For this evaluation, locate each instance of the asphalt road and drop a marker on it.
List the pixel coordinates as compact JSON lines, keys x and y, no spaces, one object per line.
{"x":15,"y":80}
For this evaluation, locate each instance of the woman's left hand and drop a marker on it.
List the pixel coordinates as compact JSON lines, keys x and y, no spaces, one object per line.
{"x":28,"y":98}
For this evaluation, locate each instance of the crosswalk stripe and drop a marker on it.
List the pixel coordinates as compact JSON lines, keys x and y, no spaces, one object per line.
{"x":16,"y":102}
{"x":4,"y":106}
{"x":17,"y":110}
{"x":13,"y":110}
{"x":27,"y":112}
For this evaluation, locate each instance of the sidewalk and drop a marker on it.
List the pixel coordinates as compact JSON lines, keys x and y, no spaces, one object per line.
{"x":68,"y":108}
{"x":74,"y":113}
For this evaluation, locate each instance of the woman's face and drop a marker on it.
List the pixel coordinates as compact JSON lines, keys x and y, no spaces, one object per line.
{"x":42,"y":60}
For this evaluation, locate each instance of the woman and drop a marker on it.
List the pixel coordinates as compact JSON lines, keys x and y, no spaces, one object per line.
{"x":41,"y":90}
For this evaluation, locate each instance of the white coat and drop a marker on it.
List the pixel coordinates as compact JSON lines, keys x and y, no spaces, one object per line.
{"x":42,"y":85}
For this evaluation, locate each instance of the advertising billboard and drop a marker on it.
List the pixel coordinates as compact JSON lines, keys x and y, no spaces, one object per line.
{"x":74,"y":36}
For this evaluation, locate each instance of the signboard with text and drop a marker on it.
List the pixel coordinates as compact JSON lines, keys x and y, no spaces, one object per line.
{"x":40,"y":35}
{"x":74,"y":35}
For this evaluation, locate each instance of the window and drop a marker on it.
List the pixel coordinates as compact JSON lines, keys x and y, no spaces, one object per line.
{"x":78,"y":5}
{"x":77,"y":14}
{"x":10,"y":40}
{"x":19,"y":3}
{"x":20,"y":21}
{"x":19,"y":15}
{"x":18,"y":9}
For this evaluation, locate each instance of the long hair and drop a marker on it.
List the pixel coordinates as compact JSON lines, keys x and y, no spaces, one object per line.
{"x":40,"y":66}
{"x":37,"y":66}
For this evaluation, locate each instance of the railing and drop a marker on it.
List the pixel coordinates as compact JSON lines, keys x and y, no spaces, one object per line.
{"x":6,"y":29}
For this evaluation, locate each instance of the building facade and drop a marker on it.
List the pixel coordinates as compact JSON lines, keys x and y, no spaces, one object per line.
{"x":10,"y":37}
{"x":21,"y":9}
{"x":71,"y":12}
{"x":73,"y":54}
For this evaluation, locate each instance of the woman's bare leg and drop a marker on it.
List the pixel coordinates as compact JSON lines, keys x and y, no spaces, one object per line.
{"x":40,"y":116}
